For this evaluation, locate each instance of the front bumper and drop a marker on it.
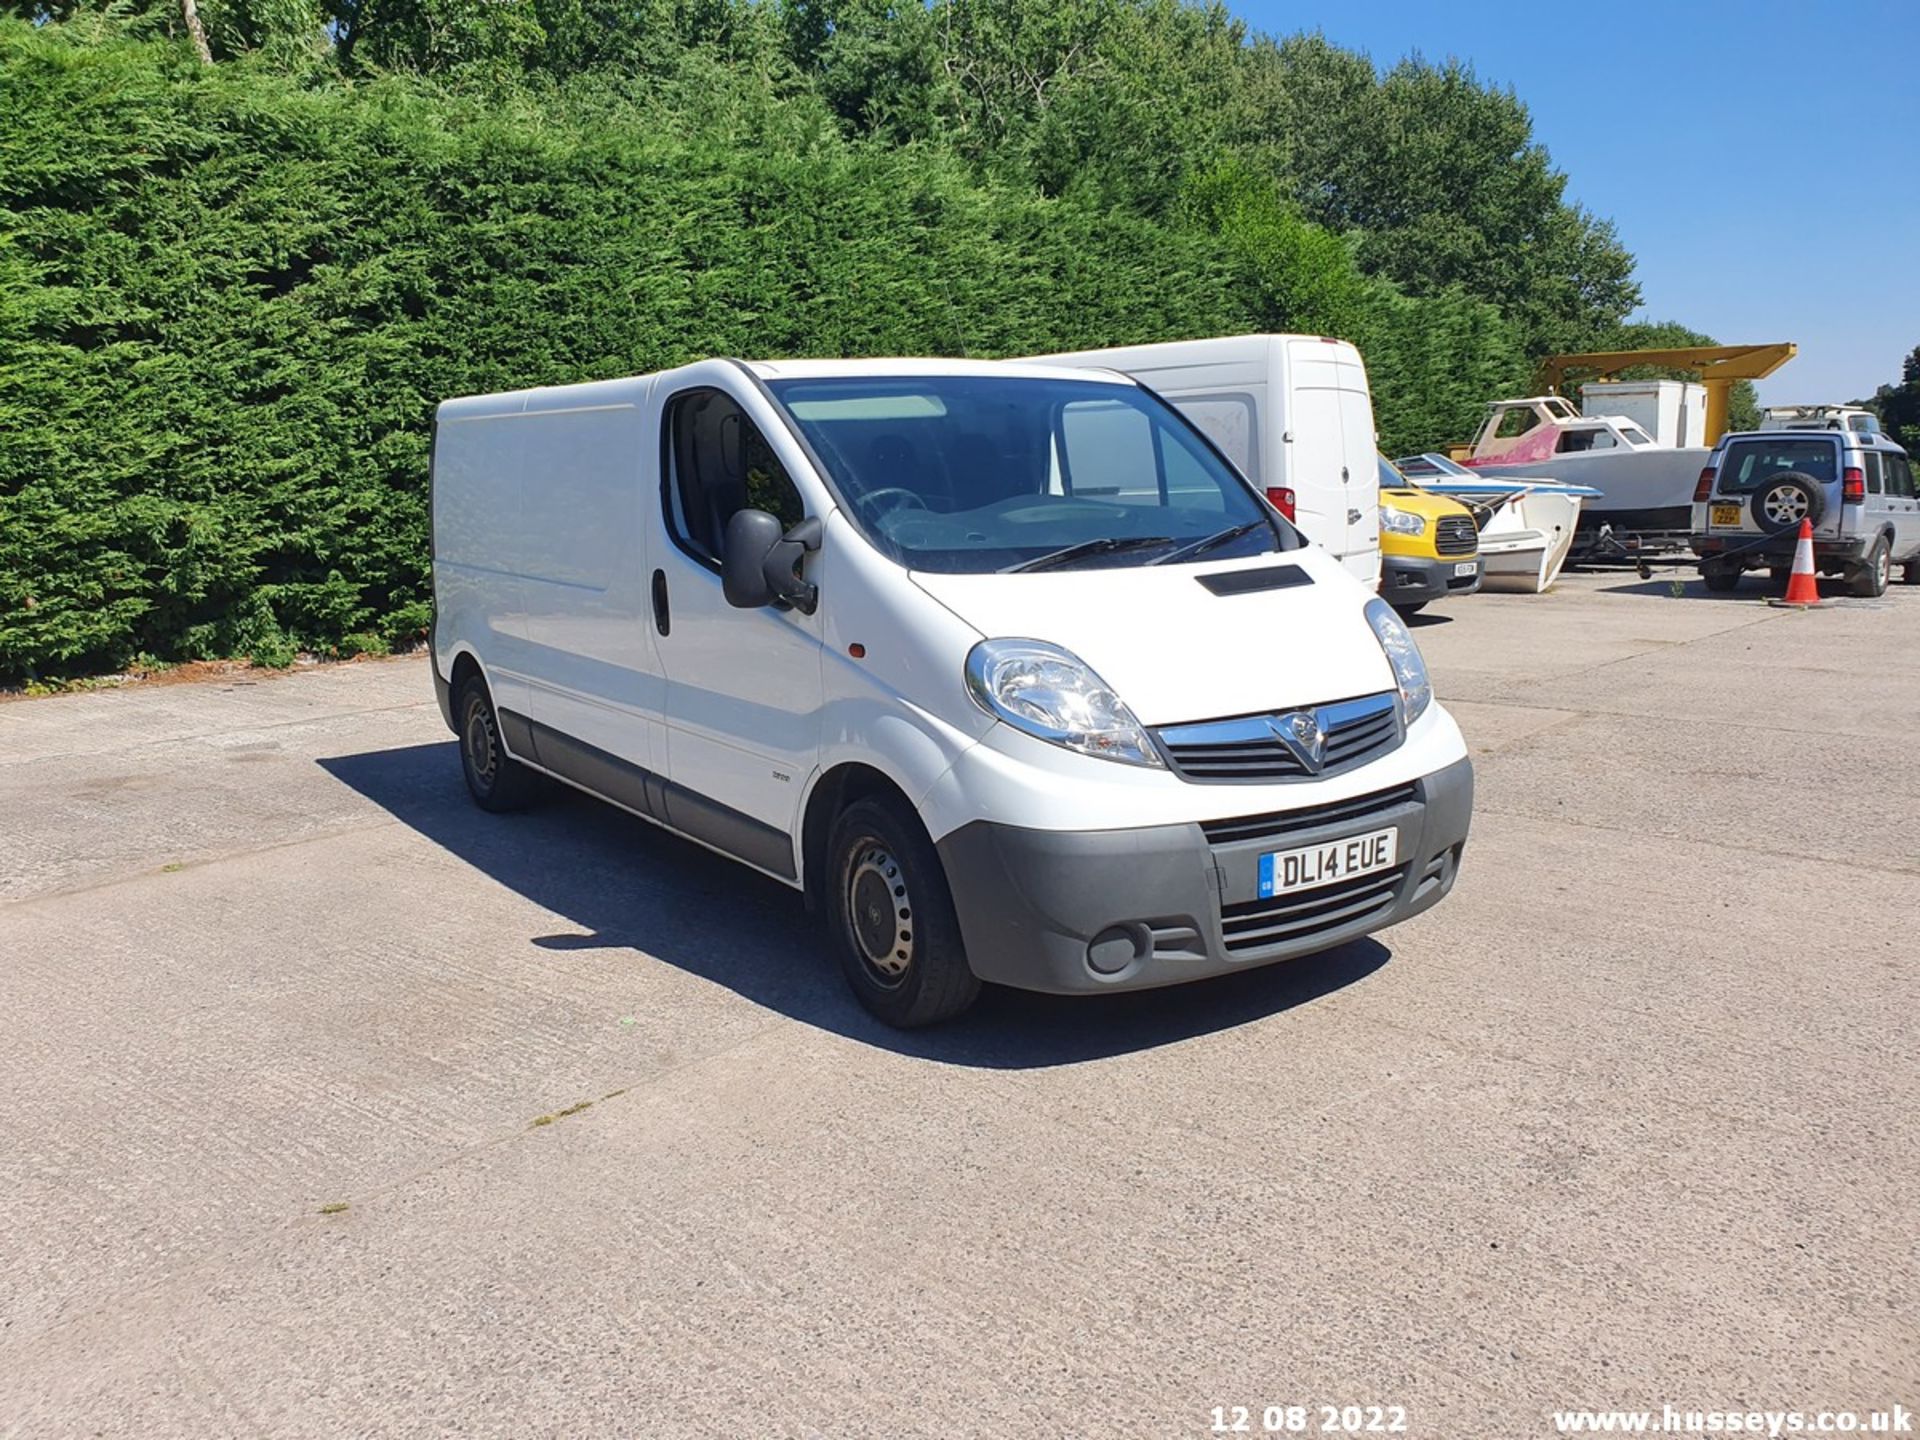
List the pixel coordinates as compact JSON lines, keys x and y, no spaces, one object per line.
{"x":1073,"y":911}
{"x":1414,"y":580}
{"x":1752,"y":551}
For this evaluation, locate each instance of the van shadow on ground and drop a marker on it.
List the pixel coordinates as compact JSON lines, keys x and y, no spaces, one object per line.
{"x":630,"y":886}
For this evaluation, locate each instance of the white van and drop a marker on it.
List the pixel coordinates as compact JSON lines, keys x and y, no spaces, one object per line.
{"x":1001,"y":664}
{"x":1292,"y":411}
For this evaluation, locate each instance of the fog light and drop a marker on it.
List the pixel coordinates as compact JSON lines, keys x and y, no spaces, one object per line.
{"x":1117,"y":947}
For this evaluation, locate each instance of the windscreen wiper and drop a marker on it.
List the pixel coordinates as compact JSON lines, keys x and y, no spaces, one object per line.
{"x":1108,"y":545}
{"x":1207,"y":542}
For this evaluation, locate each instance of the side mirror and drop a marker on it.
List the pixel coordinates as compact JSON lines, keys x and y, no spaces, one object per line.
{"x":762,"y":565}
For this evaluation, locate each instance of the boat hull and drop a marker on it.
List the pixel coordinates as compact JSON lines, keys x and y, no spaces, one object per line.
{"x":1635,"y":482}
{"x":1645,"y":501}
{"x":1527,"y":542}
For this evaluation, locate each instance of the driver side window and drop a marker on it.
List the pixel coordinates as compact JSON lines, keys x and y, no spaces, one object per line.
{"x":715,"y":461}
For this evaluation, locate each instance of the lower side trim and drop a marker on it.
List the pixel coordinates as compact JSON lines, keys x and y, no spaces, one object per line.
{"x":635,"y":788}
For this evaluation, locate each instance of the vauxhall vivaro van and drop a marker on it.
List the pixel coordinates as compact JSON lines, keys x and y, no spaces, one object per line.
{"x":1004,"y":665}
{"x":1292,"y":412}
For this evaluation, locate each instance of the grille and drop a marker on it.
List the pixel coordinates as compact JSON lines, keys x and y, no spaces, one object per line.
{"x":1247,"y":749}
{"x":1313,"y":817}
{"x":1455,"y":535}
{"x":1259,"y":924}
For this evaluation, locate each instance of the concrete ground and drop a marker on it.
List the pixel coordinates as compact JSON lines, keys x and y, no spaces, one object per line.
{"x":1630,"y":1119}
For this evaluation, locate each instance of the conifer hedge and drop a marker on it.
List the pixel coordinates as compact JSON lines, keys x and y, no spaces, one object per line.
{"x":229,"y":301}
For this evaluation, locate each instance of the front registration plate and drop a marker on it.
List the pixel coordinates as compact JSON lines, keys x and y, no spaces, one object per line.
{"x":1311,"y":866}
{"x":1726,"y":514}
{"x":1466,"y":567}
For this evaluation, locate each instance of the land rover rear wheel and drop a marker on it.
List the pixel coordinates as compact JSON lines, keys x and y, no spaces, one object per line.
{"x":1720,"y":578}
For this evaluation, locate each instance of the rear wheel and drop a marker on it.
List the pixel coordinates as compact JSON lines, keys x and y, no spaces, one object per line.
{"x":1868,"y":579}
{"x":1720,"y":578}
{"x":890,"y":917}
{"x":495,"y":779}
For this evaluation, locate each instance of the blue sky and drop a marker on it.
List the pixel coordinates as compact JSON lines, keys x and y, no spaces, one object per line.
{"x":1761,"y":160}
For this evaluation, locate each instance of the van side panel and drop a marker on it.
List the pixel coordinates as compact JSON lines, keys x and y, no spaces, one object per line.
{"x":593,"y":670}
{"x":476,"y":550}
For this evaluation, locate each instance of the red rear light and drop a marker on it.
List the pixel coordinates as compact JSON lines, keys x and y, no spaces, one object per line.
{"x":1853,"y":486}
{"x":1281,"y":498}
{"x":1705,"y":487}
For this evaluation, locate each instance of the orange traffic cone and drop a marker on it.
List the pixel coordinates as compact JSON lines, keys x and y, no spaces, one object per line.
{"x":1803,"y":591}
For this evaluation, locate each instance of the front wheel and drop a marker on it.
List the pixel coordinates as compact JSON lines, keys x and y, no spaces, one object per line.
{"x":1910,"y":573}
{"x":1408,"y":607}
{"x":890,"y":918}
{"x":1869,"y":579}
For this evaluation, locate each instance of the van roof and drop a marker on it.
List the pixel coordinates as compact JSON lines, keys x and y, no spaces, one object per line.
{"x":624,"y":389}
{"x":910,"y":366}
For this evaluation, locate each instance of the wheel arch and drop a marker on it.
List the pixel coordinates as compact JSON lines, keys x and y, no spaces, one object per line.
{"x":466,"y":663}
{"x":837,"y":788}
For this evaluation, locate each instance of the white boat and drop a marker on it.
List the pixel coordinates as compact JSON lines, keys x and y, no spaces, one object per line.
{"x":1527,"y":527}
{"x":1644,"y":489}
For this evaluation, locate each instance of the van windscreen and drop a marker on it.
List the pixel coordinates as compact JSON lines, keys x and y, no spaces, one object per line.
{"x":973,"y":473}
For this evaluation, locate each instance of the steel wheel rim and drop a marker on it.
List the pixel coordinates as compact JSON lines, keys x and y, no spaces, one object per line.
{"x":879,"y":913}
{"x":483,"y":753}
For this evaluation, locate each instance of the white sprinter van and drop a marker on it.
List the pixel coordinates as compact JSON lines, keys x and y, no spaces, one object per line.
{"x":1292,"y":411}
{"x":1002,"y":664}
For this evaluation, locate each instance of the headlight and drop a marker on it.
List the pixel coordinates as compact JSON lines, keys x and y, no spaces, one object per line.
{"x":1050,"y":693}
{"x":1409,"y":670}
{"x":1402,"y":522}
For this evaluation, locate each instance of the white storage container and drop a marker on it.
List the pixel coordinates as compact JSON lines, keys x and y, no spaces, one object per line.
{"x":1674,"y":412}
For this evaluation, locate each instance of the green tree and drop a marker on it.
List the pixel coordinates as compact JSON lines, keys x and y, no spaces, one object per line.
{"x":231,"y":294}
{"x":1899,"y":405}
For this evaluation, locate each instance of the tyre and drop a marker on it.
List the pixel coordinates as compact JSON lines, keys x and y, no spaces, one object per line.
{"x":1720,"y":578}
{"x":496,"y":781}
{"x":1784,"y":500}
{"x":1910,"y":573}
{"x":1408,"y":607}
{"x":1780,"y":574}
{"x":1869,"y":578}
{"x":890,"y":917}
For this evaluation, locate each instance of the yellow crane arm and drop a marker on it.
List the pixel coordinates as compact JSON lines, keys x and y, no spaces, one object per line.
{"x":1718,"y":366}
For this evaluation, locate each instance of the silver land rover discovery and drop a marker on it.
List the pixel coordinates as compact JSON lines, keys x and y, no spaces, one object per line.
{"x":1856,"y":488}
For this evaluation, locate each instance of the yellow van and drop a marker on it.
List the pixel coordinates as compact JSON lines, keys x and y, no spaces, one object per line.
{"x":1429,"y":545}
